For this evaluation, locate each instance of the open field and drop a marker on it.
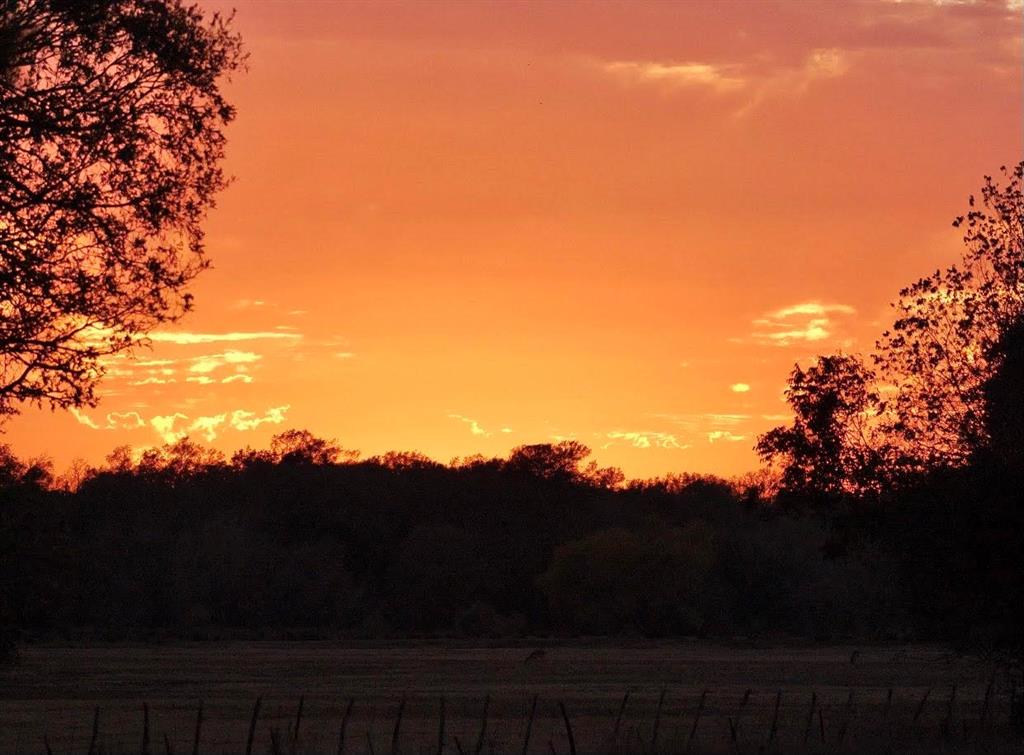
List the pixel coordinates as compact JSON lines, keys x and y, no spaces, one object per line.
{"x":52,"y":692}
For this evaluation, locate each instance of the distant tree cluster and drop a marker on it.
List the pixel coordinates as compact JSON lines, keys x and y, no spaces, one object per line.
{"x":304,"y":539}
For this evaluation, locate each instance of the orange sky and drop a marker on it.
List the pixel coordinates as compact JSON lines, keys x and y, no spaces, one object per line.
{"x":460,"y":227}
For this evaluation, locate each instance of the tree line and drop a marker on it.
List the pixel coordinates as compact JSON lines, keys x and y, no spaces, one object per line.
{"x":305,"y":539}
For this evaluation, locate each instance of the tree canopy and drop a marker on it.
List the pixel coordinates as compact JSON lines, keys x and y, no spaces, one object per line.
{"x":111,"y":141}
{"x":827,"y":449}
{"x":925,"y":400}
{"x":947,"y":339}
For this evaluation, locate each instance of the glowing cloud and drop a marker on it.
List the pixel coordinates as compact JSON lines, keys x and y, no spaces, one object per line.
{"x":815,"y":330}
{"x":725,"y":420}
{"x":212,"y":362}
{"x":208,"y":426}
{"x":247,"y":303}
{"x":243,"y":420}
{"x":474,"y":426}
{"x":647,"y":439}
{"x":758,"y":82}
{"x":188,"y":339}
{"x":173,"y":427}
{"x":112,"y":421}
{"x":810,"y":308}
{"x":717,"y":435}
{"x":83,"y":419}
{"x":680,"y":74}
{"x":164,"y":426}
{"x":806,"y":322}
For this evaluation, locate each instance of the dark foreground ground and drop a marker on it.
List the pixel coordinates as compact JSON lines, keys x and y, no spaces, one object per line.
{"x":51,"y":694}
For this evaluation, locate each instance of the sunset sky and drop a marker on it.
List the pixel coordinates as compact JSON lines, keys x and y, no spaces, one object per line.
{"x":461,"y":227}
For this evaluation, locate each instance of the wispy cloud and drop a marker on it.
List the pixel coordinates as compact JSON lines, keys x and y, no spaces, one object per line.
{"x":752,"y":82}
{"x":153,"y":380}
{"x":725,"y":420}
{"x":811,"y":309}
{"x":713,"y":426}
{"x":719,"y":435}
{"x":207,"y":426}
{"x":698,"y":421}
{"x":111,"y":421}
{"x":249,"y":303}
{"x":474,"y":426}
{"x":813,"y":330}
{"x":805,"y":322}
{"x":84,"y":419}
{"x":198,"y":338}
{"x":173,"y":427}
{"x":716,"y":77}
{"x":164,"y":426}
{"x":646,"y":439}
{"x":243,"y":420}
{"x":211,"y":362}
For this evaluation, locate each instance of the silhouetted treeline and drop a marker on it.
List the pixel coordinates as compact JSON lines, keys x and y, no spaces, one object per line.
{"x":306,"y":541}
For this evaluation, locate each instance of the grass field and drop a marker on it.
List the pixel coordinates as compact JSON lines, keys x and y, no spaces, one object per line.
{"x":52,"y":693}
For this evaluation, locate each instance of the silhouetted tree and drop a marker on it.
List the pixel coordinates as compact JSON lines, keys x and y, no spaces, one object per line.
{"x":1004,"y":402}
{"x":111,"y":139}
{"x":559,"y":461}
{"x":828,"y":451}
{"x":944,"y":344}
{"x":923,"y":407}
{"x":301,"y":446}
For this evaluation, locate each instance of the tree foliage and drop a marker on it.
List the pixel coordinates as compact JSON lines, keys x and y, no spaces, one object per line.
{"x":828,"y":451}
{"x":946,"y":340}
{"x":111,"y":140}
{"x":926,"y":401}
{"x":1004,"y":403}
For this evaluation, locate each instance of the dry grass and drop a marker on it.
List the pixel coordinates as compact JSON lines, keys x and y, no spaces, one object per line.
{"x":641,"y":698}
